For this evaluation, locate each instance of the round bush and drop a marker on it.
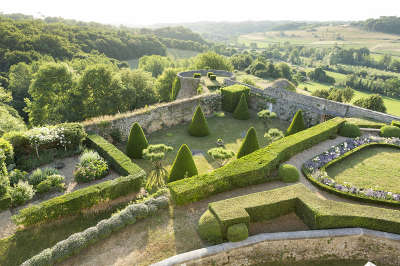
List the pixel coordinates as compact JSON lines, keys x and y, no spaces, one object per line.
{"x":237,"y":232}
{"x":288,"y":173}
{"x":390,"y":132}
{"x":349,"y":130}
{"x":209,"y":228}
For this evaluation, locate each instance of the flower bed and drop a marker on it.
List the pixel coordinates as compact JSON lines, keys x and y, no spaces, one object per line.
{"x":315,"y":170}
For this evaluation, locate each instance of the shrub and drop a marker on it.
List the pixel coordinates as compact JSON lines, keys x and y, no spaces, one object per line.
{"x":373,"y":102}
{"x":249,"y":144}
{"x":176,"y":87}
{"x":52,"y":183}
{"x":198,"y":127}
{"x":91,"y":170}
{"x":213,"y":77}
{"x":390,"y":132}
{"x":36,"y":177}
{"x":237,"y":232}
{"x":17,"y":175}
{"x":288,"y":173}
{"x":137,"y":142}
{"x":183,"y":165}
{"x":320,"y":93}
{"x":4,"y":185}
{"x":231,"y":96}
{"x":242,"y":111}
{"x":21,"y":193}
{"x":395,"y":123}
{"x":297,"y":124}
{"x":349,"y":130}
{"x":220,"y":154}
{"x":8,"y":150}
{"x":273,"y":134}
{"x":196,"y":75}
{"x":209,"y":74}
{"x":116,"y":135}
{"x":209,"y":228}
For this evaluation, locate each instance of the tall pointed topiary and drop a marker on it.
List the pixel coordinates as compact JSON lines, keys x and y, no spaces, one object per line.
{"x":183,"y":165}
{"x":137,"y":142}
{"x":242,"y":110}
{"x":250,"y":143}
{"x":198,"y":127}
{"x":297,"y":124}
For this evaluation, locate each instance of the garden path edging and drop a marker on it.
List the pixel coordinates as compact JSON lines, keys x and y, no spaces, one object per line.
{"x":212,"y":250}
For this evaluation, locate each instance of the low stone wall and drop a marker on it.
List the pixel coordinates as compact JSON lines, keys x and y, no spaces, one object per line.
{"x":286,"y":103}
{"x":156,"y":117}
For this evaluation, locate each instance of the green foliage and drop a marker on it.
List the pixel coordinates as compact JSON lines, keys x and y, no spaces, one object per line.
{"x":209,"y":74}
{"x":198,"y":127}
{"x":176,"y":87}
{"x":318,"y":74}
{"x":221,"y":155}
{"x":297,"y":124}
{"x":51,"y":183}
{"x":154,"y":64}
{"x":237,"y":232}
{"x":321,"y":93}
{"x":288,"y":173}
{"x":137,"y":142}
{"x":211,"y":60}
{"x":252,"y":169}
{"x":242,"y":110}
{"x":349,"y":130}
{"x":116,"y":158}
{"x":183,"y":166}
{"x":273,"y":134}
{"x":165,"y":84}
{"x":231,"y":96}
{"x":157,"y":177}
{"x":4,"y":185}
{"x":365,"y":123}
{"x":213,"y":77}
{"x":373,"y":102}
{"x":10,"y":120}
{"x":249,"y":81}
{"x":390,"y":132}
{"x":90,"y":167}
{"x":8,"y":150}
{"x":249,"y":144}
{"x":209,"y":228}
{"x":21,"y":193}
{"x":72,"y":203}
{"x":395,"y":123}
{"x":196,"y":75}
{"x":16,"y":175}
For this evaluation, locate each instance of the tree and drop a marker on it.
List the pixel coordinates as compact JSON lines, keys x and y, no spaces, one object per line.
{"x":211,"y":60}
{"x":176,"y":87}
{"x":165,"y":84}
{"x":273,"y":135}
{"x":183,"y":165}
{"x":198,"y":127}
{"x":242,"y":110}
{"x":265,"y":115}
{"x":321,"y":93}
{"x":220,"y":155}
{"x":157,"y":176}
{"x":373,"y":102}
{"x":137,"y":142}
{"x":297,"y":124}
{"x":250,"y":143}
{"x":154,"y":64}
{"x":20,"y":76}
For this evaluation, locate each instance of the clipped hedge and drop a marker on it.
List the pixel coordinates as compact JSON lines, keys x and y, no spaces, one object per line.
{"x":315,"y":213}
{"x":297,"y":124}
{"x":196,"y":75}
{"x":76,"y":242}
{"x":390,"y":132}
{"x":349,"y":130}
{"x":183,"y":165}
{"x":254,"y":168}
{"x":395,"y":123}
{"x":249,"y":144}
{"x":288,"y":173}
{"x":242,"y":110}
{"x":137,"y":142}
{"x":365,"y":123}
{"x":72,"y":203}
{"x":213,"y":77}
{"x":198,"y":127}
{"x":237,"y":232}
{"x":121,"y":163}
{"x":231,"y":96}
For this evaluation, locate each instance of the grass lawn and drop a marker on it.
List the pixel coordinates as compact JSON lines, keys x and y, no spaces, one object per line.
{"x":229,"y":129}
{"x":372,"y":167}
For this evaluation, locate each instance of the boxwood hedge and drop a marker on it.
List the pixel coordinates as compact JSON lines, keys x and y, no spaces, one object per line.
{"x":316,"y":213}
{"x":251,"y":169}
{"x":231,"y":96}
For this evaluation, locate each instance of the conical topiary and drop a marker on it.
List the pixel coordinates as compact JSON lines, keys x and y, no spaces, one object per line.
{"x":137,"y":142}
{"x":297,"y":124}
{"x":242,"y":110}
{"x":183,"y":165}
{"x":250,"y":143}
{"x":198,"y":127}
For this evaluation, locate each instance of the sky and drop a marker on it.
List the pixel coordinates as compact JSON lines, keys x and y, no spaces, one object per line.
{"x":147,"y":12}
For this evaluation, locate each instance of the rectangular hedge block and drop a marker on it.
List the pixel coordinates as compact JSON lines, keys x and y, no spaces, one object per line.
{"x":251,"y":169}
{"x":231,"y":96}
{"x":316,"y":213}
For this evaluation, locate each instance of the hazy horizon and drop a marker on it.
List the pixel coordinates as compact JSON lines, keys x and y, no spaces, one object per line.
{"x":147,"y":13}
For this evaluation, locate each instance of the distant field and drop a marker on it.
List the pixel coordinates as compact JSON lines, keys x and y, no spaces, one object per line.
{"x":328,"y":36}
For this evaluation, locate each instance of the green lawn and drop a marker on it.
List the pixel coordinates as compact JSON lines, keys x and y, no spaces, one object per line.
{"x":229,"y":129}
{"x":372,"y":167}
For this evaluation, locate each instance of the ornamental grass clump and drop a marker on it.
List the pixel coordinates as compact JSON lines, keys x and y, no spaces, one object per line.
{"x":183,"y":165}
{"x":297,"y":124}
{"x":157,"y":176}
{"x":250,"y":143}
{"x":91,"y":166}
{"x":198,"y":127}
{"x":137,"y":142}
{"x":242,"y":110}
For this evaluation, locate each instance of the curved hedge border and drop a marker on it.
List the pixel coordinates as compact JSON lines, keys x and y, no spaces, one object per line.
{"x":252,"y":169}
{"x":76,"y":242}
{"x":353,"y":193}
{"x":72,"y":203}
{"x":315,"y":213}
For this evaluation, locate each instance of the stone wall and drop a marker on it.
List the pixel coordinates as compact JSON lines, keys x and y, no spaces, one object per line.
{"x":286,"y":103}
{"x":157,"y":116}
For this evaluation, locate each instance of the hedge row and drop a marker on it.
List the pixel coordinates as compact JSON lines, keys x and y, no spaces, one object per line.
{"x":251,"y":169}
{"x":231,"y":96}
{"x":365,"y":123}
{"x":121,"y":163}
{"x":316,"y":213}
{"x":76,"y":242}
{"x":72,"y":203}
{"x":357,"y":197}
